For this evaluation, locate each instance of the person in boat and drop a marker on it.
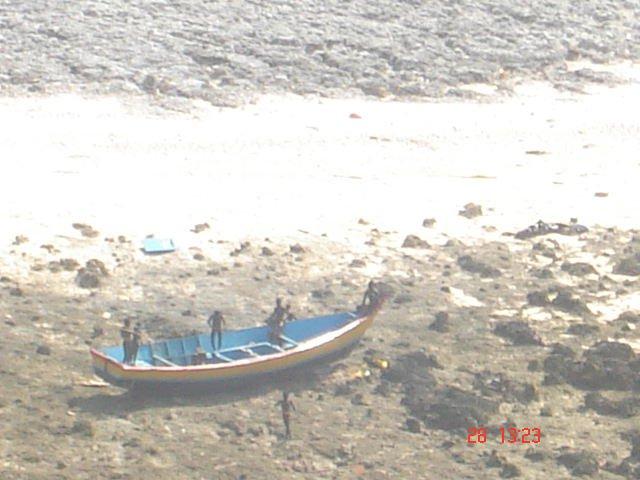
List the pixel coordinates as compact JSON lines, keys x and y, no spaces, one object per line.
{"x":288,"y":315}
{"x":286,"y":404}
{"x":216,"y":322}
{"x":370,"y":295}
{"x":136,"y":340}
{"x":127,"y":336}
{"x":200,"y":357}
{"x":276,"y":322}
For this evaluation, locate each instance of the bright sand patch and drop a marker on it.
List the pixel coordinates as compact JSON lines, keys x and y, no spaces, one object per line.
{"x":288,"y":163}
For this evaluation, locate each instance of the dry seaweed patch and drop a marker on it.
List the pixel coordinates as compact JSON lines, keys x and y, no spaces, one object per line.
{"x":452,"y":364}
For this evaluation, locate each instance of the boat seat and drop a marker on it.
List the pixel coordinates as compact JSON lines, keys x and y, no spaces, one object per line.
{"x":249,"y":351}
{"x":288,"y":340}
{"x":221,"y":357}
{"x":164,"y":361}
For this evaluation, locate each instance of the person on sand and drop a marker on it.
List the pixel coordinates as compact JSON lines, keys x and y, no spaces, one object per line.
{"x":287,"y":405}
{"x":216,"y":321}
{"x":136,"y":340}
{"x":370,"y":295}
{"x":127,"y":336}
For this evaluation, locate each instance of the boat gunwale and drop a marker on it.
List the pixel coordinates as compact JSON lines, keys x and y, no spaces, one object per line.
{"x":311,"y":344}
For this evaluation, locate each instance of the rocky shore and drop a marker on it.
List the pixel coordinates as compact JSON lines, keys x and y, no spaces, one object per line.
{"x":226,"y":53}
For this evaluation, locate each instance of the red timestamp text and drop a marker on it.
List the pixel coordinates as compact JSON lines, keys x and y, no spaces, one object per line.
{"x":511,"y":435}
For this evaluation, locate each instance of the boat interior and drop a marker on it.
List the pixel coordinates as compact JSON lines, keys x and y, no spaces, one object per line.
{"x":236,"y":344}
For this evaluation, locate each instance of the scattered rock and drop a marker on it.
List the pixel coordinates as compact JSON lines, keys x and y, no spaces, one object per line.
{"x":297,"y":248}
{"x":499,"y":386}
{"x":413,"y":241}
{"x":16,"y":292}
{"x":567,"y":302}
{"x":441,"y":323}
{"x":628,"y":265}
{"x":199,"y":257}
{"x":91,"y":275}
{"x":538,"y":299}
{"x":357,"y":263}
{"x":578,"y":269}
{"x":362,"y":221}
{"x":322,"y":294}
{"x":625,"y":408}
{"x":266,"y":252}
{"x":579,"y":463}
{"x":200,"y":227}
{"x":519,"y":332}
{"x":86,"y":230}
{"x":428,"y":222}
{"x":83,"y":427}
{"x":413,"y":425}
{"x":471,"y":210}
{"x":466,"y":262}
{"x":402,"y":298}
{"x":20,"y":239}
{"x":601,"y":194}
{"x":583,"y":329}
{"x":43,"y":350}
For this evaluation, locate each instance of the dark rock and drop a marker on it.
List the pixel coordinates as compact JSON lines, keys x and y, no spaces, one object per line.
{"x":605,"y":350}
{"x":534,"y":454}
{"x":20,"y":239}
{"x":448,"y":408}
{"x":97,"y":266}
{"x":297,"y":248}
{"x":628,"y":265}
{"x":583,"y":329}
{"x":267,"y":252}
{"x":546,"y":411}
{"x":538,"y":299}
{"x":83,"y":427}
{"x":509,"y":470}
{"x":69,"y":264}
{"x":566,"y":302}
{"x":428,"y":222}
{"x":629,"y":317}
{"x":542,"y":273}
{"x":43,"y":350}
{"x":402,"y":298}
{"x":86,"y":230}
{"x":466,"y":262}
{"x":87,"y":279}
{"x":579,"y":463}
{"x":625,"y":408}
{"x":413,"y":425}
{"x":412,"y":368}
{"x":520,"y":333}
{"x":498,"y":385}
{"x":357,"y":263}
{"x":471,"y":210}
{"x":578,"y":269}
{"x":413,"y":241}
{"x":441,"y":323}
{"x":198,"y":256}
{"x":322,"y":294}
{"x":200,"y":227}
{"x":16,"y":292}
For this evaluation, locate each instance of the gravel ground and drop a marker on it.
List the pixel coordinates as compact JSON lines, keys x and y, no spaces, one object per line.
{"x":227,"y":52}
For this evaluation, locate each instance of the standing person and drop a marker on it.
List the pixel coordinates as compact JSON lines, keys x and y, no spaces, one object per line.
{"x":216,"y":322}
{"x":136,"y":340}
{"x":287,"y":405}
{"x":276,"y":322}
{"x":127,"y":336}
{"x":371,"y":294}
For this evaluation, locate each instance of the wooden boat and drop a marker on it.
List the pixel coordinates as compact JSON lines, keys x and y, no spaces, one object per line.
{"x":245,"y":355}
